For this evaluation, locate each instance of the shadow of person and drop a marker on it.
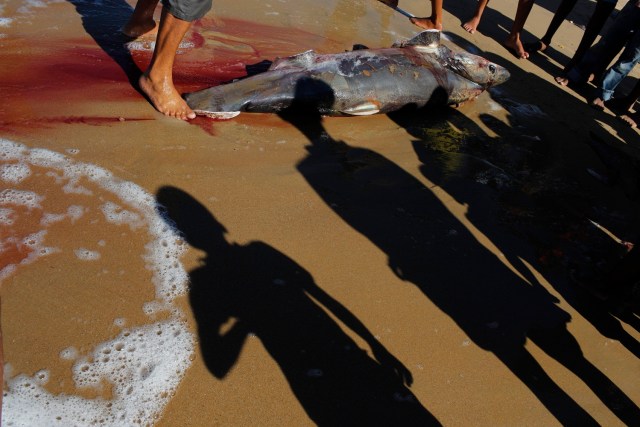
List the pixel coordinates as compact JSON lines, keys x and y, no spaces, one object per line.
{"x":103,"y":20}
{"x":514,"y":300}
{"x":430,"y":248}
{"x":255,"y":290}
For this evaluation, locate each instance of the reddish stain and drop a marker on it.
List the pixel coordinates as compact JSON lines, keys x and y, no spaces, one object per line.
{"x":13,"y":250}
{"x":13,"y":253}
{"x":205,"y":123}
{"x":67,"y":72}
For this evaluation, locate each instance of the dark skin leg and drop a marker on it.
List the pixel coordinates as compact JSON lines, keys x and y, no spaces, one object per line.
{"x":472,"y":24}
{"x":513,"y":42}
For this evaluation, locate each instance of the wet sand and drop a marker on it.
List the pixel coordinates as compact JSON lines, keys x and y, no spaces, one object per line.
{"x":298,"y":277}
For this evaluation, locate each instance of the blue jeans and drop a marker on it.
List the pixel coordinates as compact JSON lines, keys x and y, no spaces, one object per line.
{"x":623,"y":66}
{"x":598,"y":57}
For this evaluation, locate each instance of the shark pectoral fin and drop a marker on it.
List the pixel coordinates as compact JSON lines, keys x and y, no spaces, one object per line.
{"x":365,"y":109}
{"x":220,"y":115}
{"x":301,"y":60}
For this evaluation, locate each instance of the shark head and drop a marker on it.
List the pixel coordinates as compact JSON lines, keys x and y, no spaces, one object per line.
{"x":472,"y":67}
{"x":477,"y":69}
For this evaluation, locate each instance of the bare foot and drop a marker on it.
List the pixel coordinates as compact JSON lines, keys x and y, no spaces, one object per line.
{"x":514,"y":45}
{"x":562,"y":80}
{"x":137,"y":29}
{"x":165,"y":98}
{"x":471,"y":25}
{"x":427,"y":23}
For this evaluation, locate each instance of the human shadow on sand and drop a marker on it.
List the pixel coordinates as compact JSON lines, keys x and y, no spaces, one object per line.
{"x":468,"y":186}
{"x":483,"y":169}
{"x":249,"y":290}
{"x":430,"y":248}
{"x":102,"y":21}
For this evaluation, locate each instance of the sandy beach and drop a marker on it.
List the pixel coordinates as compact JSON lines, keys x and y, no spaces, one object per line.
{"x":404,"y":269}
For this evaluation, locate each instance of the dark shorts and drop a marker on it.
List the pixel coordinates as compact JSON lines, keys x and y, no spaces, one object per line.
{"x":187,"y":10}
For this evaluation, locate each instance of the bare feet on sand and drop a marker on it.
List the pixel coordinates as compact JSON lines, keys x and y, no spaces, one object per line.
{"x":138,"y":29}
{"x":562,"y":80}
{"x":165,"y":98}
{"x":514,"y":45}
{"x":427,"y":23}
{"x":471,"y":25}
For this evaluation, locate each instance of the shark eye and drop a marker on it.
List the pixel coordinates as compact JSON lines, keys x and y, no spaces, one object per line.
{"x":492,"y":68}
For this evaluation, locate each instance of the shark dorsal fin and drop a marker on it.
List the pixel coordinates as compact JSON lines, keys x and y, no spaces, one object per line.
{"x":427,"y":38}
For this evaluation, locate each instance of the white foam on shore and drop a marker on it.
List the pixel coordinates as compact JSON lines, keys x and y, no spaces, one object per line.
{"x":142,"y":365}
{"x":117,"y":215}
{"x":87,"y":255}
{"x":28,"y":6}
{"x":6,"y":216}
{"x":150,"y":45}
{"x":28,"y":199}
{"x":14,"y":173}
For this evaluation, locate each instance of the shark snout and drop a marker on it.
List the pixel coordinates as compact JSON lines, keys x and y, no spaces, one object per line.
{"x":501,"y":75}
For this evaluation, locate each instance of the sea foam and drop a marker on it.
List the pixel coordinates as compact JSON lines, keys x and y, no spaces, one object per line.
{"x":142,"y":365}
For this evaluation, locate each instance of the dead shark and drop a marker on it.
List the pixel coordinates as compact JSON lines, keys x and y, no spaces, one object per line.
{"x":417,"y":72}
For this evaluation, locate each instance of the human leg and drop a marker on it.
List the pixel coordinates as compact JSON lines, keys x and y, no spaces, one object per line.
{"x":596,"y":22}
{"x":157,"y":81}
{"x":434,"y":22}
{"x":513,"y":42}
{"x":472,"y":24}
{"x":141,"y":21}
{"x":623,"y":66}
{"x":596,"y":59}
{"x":566,"y":6}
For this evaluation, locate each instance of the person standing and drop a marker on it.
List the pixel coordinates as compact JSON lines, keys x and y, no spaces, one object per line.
{"x":599,"y":56}
{"x":597,"y":20}
{"x":621,"y":68}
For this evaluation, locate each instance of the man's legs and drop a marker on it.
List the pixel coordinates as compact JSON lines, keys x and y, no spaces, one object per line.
{"x":595,"y":24}
{"x":596,"y":59}
{"x":157,"y":81}
{"x":513,"y":42}
{"x":619,"y":71}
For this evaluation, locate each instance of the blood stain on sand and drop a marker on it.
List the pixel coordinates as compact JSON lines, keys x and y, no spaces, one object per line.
{"x":216,"y":51}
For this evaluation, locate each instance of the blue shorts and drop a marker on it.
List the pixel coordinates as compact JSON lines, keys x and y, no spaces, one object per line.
{"x":187,"y":10}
